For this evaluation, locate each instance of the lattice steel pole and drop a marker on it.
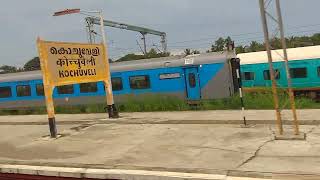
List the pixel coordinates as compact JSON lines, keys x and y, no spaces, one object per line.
{"x":284,"y":47}
{"x":268,"y":48}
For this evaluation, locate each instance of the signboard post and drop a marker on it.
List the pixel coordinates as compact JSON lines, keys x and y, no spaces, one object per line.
{"x":64,"y":63}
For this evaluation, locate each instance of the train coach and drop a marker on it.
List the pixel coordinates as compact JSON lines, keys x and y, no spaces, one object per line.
{"x":304,"y":68}
{"x":204,"y":76}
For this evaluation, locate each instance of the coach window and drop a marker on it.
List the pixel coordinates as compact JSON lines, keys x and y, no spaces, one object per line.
{"x":88,"y":87}
{"x":298,"y":72}
{"x":5,"y":92}
{"x":248,"y":75}
{"x":116,"y":83}
{"x":66,"y":89}
{"x":266,"y":74}
{"x":23,"y":90}
{"x":318,"y":71}
{"x":40,"y":90}
{"x":139,"y":82}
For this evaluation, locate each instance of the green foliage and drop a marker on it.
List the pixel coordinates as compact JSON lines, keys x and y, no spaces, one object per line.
{"x":130,"y":57}
{"x":195,"y":52}
{"x":220,"y":44}
{"x":153,"y":103}
{"x":262,"y":100}
{"x":189,"y":52}
{"x":8,"y":69}
{"x":151,"y":54}
{"x":32,"y":65}
{"x":240,"y":49}
{"x":255,"y":46}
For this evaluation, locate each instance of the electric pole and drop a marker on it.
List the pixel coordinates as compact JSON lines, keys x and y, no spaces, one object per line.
{"x":284,"y":47}
{"x":264,"y":14}
{"x":268,"y":48}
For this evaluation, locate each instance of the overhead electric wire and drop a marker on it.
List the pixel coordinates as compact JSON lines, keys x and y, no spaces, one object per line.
{"x":214,"y":37}
{"x":241,"y":38}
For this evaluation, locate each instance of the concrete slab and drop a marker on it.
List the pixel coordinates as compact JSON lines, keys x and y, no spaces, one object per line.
{"x":290,"y":136}
{"x":305,"y":116}
{"x":180,"y":147}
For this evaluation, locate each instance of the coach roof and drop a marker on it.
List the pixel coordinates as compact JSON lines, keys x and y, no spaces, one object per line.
{"x":310,"y":52}
{"x":171,"y":61}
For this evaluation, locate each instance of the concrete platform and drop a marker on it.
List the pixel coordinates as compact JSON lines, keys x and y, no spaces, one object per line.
{"x":306,"y":117}
{"x":290,"y":136}
{"x":163,"y":142}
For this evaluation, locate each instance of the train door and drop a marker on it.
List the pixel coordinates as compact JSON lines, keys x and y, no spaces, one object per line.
{"x":192,"y":83}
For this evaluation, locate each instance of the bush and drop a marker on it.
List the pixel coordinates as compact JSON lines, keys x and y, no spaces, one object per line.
{"x":261,"y":100}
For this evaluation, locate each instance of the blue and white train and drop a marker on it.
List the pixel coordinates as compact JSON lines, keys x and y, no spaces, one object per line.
{"x":204,"y":76}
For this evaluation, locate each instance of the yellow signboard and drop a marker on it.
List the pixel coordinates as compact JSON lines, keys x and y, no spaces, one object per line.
{"x":69,"y":63}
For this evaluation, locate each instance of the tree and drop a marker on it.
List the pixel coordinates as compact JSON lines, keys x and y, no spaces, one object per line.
{"x":256,"y":46}
{"x":220,"y":44}
{"x":151,"y":54}
{"x":130,"y":57}
{"x":32,"y":65}
{"x":190,"y":51}
{"x":316,"y":39}
{"x":195,"y":52}
{"x":187,"y":52}
{"x":154,"y":54}
{"x":240,"y":49}
{"x":275,"y":43}
{"x":7,"y":69}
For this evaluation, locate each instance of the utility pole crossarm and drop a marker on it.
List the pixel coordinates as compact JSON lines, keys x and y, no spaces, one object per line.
{"x":142,"y":30}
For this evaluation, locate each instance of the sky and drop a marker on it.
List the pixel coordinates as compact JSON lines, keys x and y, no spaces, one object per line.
{"x":188,"y":23}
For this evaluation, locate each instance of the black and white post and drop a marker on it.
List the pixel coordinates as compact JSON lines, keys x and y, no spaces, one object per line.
{"x":241,"y":98}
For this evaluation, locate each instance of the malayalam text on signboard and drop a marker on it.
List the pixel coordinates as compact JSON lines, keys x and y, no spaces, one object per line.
{"x":69,"y":63}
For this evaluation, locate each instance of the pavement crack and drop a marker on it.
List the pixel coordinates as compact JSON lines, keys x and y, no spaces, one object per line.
{"x":271,"y":130}
{"x":215,"y":148}
{"x":255,"y":153}
{"x":312,"y":129}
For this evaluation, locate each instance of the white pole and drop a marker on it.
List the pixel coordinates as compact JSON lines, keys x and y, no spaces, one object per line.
{"x":102,"y":29}
{"x":113,"y":113}
{"x":241,"y":98}
{"x":104,"y":41}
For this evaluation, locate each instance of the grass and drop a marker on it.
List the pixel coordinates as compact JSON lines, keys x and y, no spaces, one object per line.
{"x":261,"y":100}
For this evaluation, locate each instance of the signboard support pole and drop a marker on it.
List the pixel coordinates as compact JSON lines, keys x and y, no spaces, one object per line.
{"x":48,"y":91}
{"x":52,"y":127}
{"x":112,"y":110}
{"x":50,"y":111}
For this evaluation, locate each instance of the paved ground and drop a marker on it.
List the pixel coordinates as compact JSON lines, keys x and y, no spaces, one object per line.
{"x":308,"y":117}
{"x":196,"y":142}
